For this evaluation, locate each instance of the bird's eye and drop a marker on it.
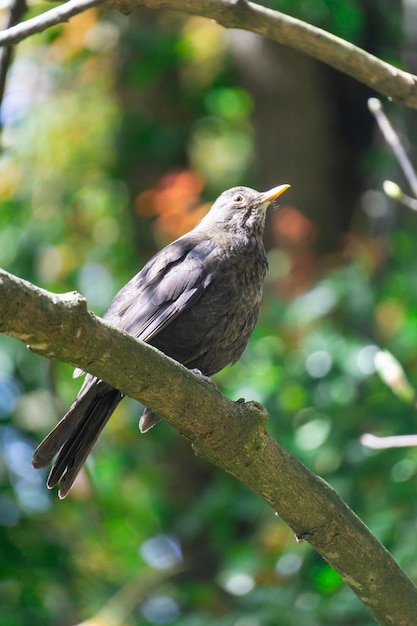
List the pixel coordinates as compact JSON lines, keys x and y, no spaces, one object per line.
{"x":238,"y":199}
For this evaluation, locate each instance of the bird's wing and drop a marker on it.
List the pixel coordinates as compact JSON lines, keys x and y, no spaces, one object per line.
{"x":168,"y":284}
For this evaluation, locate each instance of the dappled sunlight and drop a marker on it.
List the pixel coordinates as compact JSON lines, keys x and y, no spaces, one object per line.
{"x":27,"y":483}
{"x":118,"y":133}
{"x":161,"y":551}
{"x":160,"y":609}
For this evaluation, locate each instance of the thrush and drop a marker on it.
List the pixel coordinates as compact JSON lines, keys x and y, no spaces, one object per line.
{"x":197,"y":300}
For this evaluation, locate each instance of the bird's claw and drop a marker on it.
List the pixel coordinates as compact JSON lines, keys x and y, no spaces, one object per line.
{"x":200,"y":374}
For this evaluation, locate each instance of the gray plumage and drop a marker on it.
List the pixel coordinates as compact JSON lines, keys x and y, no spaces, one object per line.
{"x":197,"y":300}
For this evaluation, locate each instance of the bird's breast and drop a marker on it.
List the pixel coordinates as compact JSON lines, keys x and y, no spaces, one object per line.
{"x":215,"y":329}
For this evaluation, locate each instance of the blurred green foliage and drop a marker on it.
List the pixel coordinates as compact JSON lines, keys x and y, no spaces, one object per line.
{"x":116,"y":133}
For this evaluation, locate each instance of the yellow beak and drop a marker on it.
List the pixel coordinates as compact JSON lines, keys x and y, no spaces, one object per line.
{"x":268,"y":196}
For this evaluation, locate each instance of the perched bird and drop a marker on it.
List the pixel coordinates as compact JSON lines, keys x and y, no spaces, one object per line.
{"x":197,"y":300}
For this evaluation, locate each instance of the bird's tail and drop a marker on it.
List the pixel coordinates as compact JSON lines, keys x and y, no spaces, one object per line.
{"x":74,"y":436}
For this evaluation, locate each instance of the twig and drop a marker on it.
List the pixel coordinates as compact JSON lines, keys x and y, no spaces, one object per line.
{"x":17,"y":10}
{"x":394,"y":142}
{"x":38,"y":24}
{"x":394,"y":191}
{"x":381,"y":443}
{"x":126,"y":599}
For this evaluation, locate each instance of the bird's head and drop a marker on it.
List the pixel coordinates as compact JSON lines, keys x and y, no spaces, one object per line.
{"x":242,"y":208}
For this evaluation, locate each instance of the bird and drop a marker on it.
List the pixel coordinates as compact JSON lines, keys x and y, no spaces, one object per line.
{"x":196,"y":300}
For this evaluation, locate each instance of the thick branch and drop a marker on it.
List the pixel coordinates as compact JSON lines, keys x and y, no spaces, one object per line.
{"x":340,"y":54}
{"x":230,"y":435}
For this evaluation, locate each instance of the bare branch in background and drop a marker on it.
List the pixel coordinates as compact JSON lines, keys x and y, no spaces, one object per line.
{"x":289,"y":31}
{"x":38,"y":24}
{"x":17,"y":10}
{"x":392,"y":139}
{"x":382,"y":443}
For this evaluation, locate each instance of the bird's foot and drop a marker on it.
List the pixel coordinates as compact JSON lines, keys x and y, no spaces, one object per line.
{"x":148,"y":420}
{"x":200,"y":374}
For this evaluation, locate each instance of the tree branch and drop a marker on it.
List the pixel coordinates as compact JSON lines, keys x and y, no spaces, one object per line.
{"x":229,"y":434}
{"x":340,"y":54}
{"x":38,"y":24}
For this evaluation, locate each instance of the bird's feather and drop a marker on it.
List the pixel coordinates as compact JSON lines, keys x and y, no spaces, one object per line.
{"x":165,"y":287}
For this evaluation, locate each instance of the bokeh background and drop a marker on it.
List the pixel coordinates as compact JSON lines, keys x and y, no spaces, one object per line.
{"x":117,"y":133}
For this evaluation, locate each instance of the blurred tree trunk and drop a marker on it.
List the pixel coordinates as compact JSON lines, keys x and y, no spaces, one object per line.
{"x":297,"y":132}
{"x":154,"y":118}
